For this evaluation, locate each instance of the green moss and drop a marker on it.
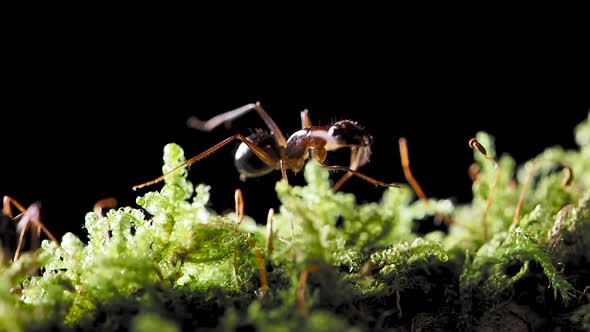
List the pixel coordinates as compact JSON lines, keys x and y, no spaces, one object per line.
{"x":174,"y":264}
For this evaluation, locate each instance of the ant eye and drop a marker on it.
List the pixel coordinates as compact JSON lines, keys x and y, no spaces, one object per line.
{"x":335,"y":131}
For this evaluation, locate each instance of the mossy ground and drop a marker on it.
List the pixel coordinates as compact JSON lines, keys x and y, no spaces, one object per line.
{"x":329,"y":263}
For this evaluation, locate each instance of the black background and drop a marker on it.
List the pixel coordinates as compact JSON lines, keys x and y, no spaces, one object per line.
{"x":87,"y":118}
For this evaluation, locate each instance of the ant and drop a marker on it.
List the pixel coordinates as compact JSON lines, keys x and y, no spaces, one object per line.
{"x":262,"y":152}
{"x":13,"y":227}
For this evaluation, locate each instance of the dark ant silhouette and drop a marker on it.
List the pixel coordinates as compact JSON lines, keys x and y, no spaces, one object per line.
{"x":13,"y":227}
{"x":262,"y":152}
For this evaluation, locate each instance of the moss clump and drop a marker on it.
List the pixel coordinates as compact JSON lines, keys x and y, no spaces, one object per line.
{"x":331,"y":264}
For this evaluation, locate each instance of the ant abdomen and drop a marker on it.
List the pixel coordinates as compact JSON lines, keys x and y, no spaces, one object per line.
{"x":248,"y":163}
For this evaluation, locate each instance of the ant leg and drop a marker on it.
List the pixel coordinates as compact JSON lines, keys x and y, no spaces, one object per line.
{"x":358,"y":174}
{"x":283,"y":167}
{"x":271,"y":125}
{"x":31,"y":214}
{"x":358,"y":157}
{"x":403,"y":151}
{"x":8,"y":231}
{"x":279,"y":137}
{"x":348,"y":175}
{"x":239,"y":199}
{"x":256,"y":149}
{"x":194,"y":122}
{"x":7,"y":210}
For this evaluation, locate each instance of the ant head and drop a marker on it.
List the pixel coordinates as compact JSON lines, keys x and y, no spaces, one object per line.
{"x":349,"y":133}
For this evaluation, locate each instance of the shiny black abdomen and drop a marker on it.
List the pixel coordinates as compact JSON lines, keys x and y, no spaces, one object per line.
{"x":248,"y":163}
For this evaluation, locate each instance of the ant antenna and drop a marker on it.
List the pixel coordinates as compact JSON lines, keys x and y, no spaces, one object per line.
{"x":360,"y":175}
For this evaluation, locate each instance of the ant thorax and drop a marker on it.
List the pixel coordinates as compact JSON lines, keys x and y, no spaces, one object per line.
{"x":298,"y":145}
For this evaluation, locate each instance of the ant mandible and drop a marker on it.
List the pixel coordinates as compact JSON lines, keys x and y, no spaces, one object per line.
{"x":278,"y":153}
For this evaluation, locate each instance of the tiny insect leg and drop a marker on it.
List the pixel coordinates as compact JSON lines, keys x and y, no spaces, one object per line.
{"x":256,"y":149}
{"x":31,"y":214}
{"x":355,"y":160}
{"x":279,"y":137}
{"x":196,"y":123}
{"x":214,"y":122}
{"x":358,"y":174}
